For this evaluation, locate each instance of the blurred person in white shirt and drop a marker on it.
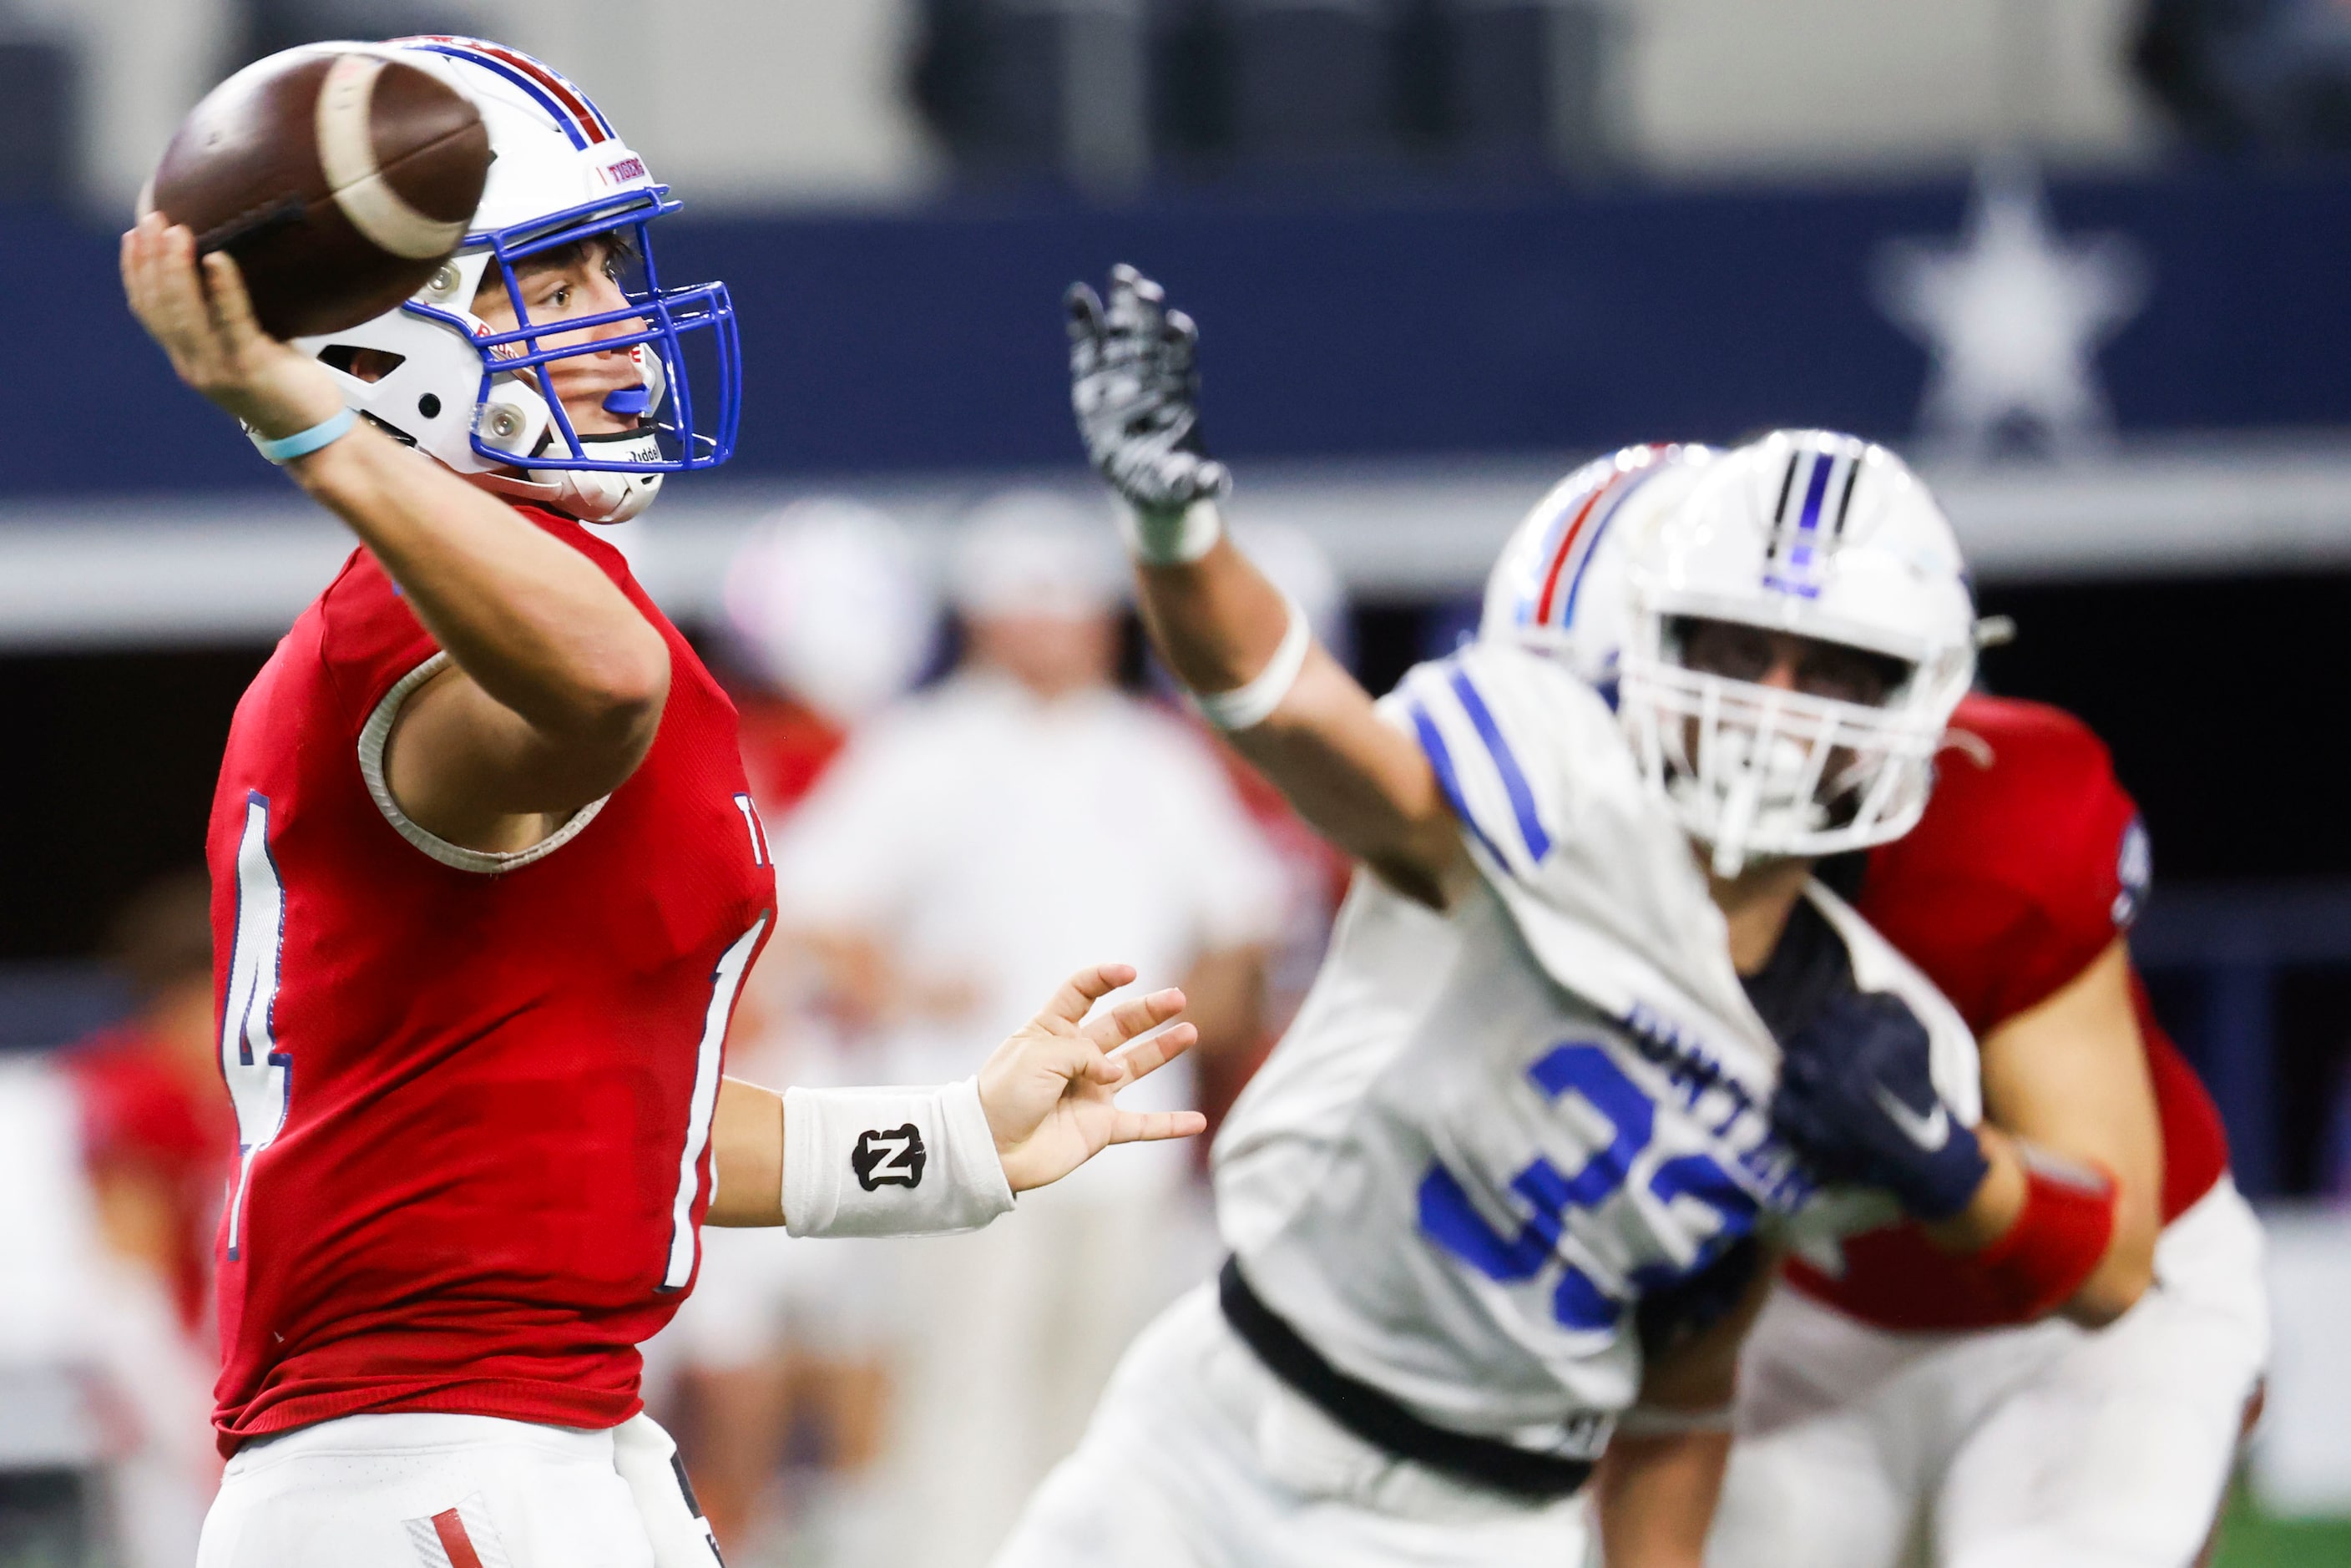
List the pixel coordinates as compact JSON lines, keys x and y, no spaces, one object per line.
{"x":924,"y":868}
{"x":831,"y":613}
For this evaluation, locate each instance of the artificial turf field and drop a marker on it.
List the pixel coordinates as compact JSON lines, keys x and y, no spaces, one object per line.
{"x":2249,"y":1540}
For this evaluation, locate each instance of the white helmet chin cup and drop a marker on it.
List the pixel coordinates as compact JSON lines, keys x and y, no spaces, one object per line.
{"x":1821,"y":536}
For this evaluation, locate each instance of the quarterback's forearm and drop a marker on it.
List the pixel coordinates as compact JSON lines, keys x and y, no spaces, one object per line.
{"x":1217,"y":621}
{"x":747,"y":1156}
{"x":534,"y":622}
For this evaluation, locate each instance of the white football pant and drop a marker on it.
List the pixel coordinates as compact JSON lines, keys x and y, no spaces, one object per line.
{"x":456,"y":1492}
{"x":2043,"y":1446}
{"x":1199,"y":1457}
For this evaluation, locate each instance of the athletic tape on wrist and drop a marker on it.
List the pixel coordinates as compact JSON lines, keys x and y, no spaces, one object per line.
{"x":1655,"y":1421}
{"x":2059,"y":1237}
{"x":890,"y":1161}
{"x":303,"y":442}
{"x":1253,"y":704}
{"x":1171,"y":539}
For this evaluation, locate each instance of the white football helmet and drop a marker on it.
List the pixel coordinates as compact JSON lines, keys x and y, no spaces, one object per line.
{"x":1559,"y":586}
{"x":1826,"y":537}
{"x":835,"y":603}
{"x":473,"y":398}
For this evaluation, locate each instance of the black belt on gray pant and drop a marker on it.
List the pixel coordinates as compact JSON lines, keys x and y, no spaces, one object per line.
{"x":1382,"y":1420}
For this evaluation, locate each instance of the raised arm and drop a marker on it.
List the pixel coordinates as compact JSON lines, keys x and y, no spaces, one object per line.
{"x":556,"y":683}
{"x":1225,"y":631}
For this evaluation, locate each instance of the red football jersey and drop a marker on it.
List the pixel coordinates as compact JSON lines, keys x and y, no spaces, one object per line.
{"x":2030,"y":861}
{"x":473,"y":1092}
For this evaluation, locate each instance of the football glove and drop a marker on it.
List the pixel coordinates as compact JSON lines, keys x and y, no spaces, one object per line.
{"x":1136,"y":387}
{"x":1857,"y":1099}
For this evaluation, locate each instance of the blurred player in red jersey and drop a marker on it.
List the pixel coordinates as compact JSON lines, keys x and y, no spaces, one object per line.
{"x":157,"y":1139}
{"x":1923,"y":1407}
{"x":486,"y":878}
{"x":157,"y":1136}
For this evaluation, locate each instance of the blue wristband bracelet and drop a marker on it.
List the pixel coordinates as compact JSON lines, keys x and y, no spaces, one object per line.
{"x":302,"y":443}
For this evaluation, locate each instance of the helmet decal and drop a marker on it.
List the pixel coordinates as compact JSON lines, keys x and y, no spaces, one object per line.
{"x":1805,"y":529}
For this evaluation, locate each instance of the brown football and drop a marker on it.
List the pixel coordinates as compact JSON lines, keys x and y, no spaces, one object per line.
{"x":338,"y":177}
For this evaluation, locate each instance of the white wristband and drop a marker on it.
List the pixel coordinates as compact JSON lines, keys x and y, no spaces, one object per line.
{"x":1253,"y":704}
{"x":890,"y":1161}
{"x":1171,"y":539}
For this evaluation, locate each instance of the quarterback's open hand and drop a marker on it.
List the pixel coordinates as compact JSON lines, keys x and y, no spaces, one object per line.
{"x":197,"y":308}
{"x":1135,"y":385}
{"x":1049,"y":1090}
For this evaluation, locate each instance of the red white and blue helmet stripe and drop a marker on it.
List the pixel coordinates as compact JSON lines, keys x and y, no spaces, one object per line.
{"x":1580,"y":522}
{"x":569,"y":108}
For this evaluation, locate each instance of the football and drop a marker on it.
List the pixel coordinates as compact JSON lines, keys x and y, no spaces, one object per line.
{"x":338,"y":178}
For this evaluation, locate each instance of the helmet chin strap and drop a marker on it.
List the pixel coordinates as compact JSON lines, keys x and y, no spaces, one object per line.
{"x":599,"y":495}
{"x":592,"y":496}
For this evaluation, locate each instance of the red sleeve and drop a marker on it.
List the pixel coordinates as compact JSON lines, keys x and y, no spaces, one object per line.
{"x":2029,"y":862}
{"x":369,"y":637}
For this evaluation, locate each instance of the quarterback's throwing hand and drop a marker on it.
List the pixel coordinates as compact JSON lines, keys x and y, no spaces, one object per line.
{"x":196,"y":308}
{"x":1135,"y":384}
{"x":1050,"y":1091}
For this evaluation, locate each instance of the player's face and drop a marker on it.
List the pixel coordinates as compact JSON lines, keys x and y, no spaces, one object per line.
{"x":575,"y":281}
{"x":1789,"y":663}
{"x":1050,"y":655}
{"x":1782,"y":660}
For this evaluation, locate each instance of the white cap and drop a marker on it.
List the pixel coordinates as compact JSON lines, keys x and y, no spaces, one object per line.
{"x":833,"y":601}
{"x":1035,"y":552}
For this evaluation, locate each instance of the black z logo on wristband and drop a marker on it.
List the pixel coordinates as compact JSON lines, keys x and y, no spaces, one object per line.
{"x":889,"y":1158}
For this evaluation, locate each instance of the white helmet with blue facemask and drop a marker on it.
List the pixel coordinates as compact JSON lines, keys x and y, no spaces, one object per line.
{"x":1807,"y":532}
{"x":1820,"y":536}
{"x":435,"y":375}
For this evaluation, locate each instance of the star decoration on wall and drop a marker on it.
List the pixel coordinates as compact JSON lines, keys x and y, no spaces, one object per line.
{"x":2012,"y":316}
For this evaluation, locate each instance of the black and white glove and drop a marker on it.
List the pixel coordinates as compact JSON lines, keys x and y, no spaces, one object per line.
{"x":1135,"y":384}
{"x":1857,"y":1099}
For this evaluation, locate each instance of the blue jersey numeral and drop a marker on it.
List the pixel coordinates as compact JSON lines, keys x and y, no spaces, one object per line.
{"x":1586,"y":1070}
{"x":259,"y":1075}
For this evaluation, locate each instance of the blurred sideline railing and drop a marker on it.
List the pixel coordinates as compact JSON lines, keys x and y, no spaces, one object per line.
{"x":131,"y":571}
